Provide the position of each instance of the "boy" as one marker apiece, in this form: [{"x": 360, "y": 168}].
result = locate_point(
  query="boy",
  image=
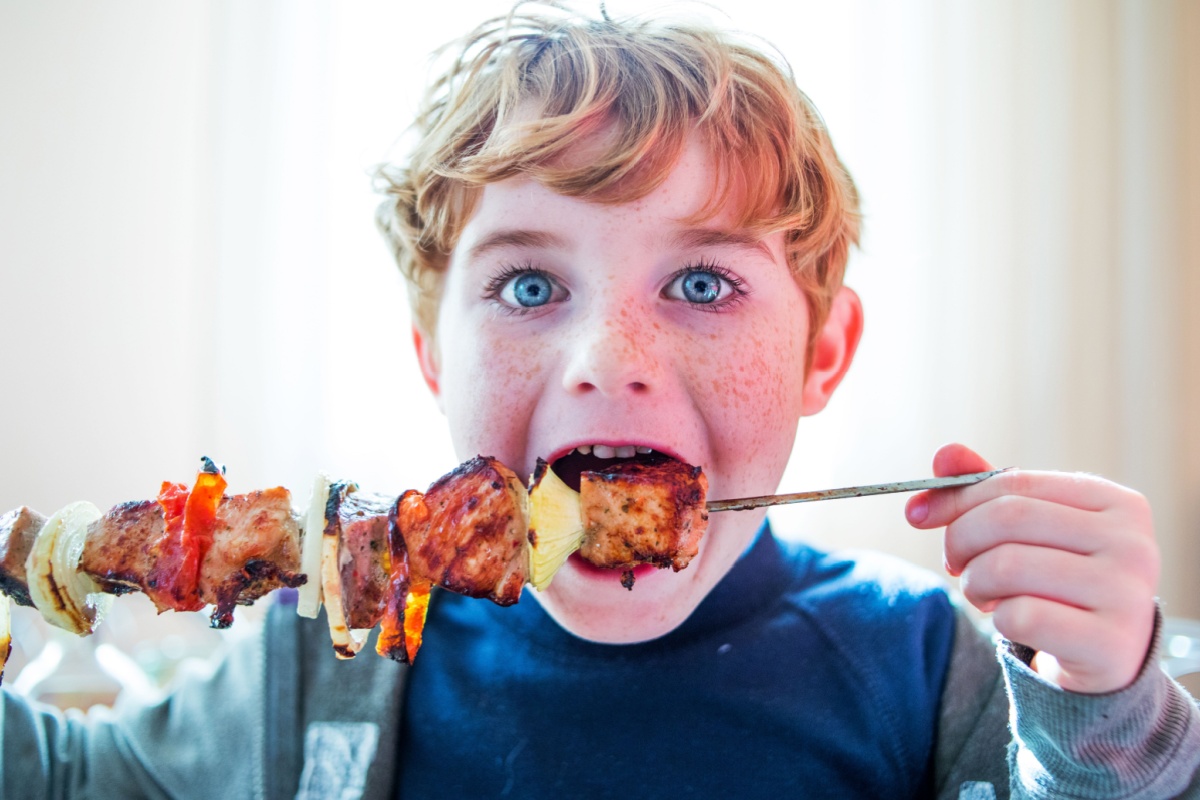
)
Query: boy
[{"x": 623, "y": 237}]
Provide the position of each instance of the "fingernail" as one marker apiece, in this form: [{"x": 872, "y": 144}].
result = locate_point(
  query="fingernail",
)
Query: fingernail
[{"x": 918, "y": 510}]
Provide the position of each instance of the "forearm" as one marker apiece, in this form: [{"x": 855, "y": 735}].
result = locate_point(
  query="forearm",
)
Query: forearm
[
  {"x": 973, "y": 734},
  {"x": 1142, "y": 741},
  {"x": 49, "y": 754},
  {"x": 41, "y": 749},
  {"x": 198, "y": 741}
]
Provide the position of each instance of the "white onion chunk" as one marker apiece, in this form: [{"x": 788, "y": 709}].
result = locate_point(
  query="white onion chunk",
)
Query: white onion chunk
[{"x": 66, "y": 597}]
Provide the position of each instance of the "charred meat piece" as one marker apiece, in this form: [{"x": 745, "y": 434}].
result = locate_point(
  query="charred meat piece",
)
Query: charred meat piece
[
  {"x": 643, "y": 512},
  {"x": 255, "y": 549},
  {"x": 18, "y": 530},
  {"x": 468, "y": 533},
  {"x": 363, "y": 557},
  {"x": 120, "y": 550}
]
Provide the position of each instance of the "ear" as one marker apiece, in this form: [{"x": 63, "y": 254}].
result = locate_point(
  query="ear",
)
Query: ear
[
  {"x": 429, "y": 361},
  {"x": 833, "y": 350}
]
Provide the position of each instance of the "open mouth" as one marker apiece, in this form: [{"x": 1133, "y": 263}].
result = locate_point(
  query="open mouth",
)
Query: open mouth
[{"x": 595, "y": 458}]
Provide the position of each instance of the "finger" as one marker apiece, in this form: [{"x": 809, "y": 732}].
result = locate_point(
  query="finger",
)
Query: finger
[
  {"x": 1094, "y": 654},
  {"x": 950, "y": 459},
  {"x": 1023, "y": 520},
  {"x": 940, "y": 507},
  {"x": 1069, "y": 633},
  {"x": 958, "y": 459},
  {"x": 1013, "y": 570}
]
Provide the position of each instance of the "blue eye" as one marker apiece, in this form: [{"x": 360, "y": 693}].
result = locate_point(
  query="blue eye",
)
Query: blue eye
[
  {"x": 701, "y": 287},
  {"x": 705, "y": 285},
  {"x": 524, "y": 288},
  {"x": 531, "y": 290}
]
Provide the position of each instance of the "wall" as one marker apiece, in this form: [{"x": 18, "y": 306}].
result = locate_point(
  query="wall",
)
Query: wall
[{"x": 188, "y": 264}]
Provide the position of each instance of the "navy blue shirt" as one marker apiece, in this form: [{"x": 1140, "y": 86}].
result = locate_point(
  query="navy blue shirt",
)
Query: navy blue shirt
[{"x": 800, "y": 675}]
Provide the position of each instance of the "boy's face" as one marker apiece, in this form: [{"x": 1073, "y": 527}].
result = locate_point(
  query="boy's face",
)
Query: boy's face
[{"x": 565, "y": 322}]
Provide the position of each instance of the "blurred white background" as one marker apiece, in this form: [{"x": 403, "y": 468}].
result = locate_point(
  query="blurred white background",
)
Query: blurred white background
[{"x": 188, "y": 263}]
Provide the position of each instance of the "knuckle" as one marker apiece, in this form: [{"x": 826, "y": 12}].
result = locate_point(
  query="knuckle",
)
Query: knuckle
[
  {"x": 1087, "y": 480},
  {"x": 1129, "y": 503},
  {"x": 1134, "y": 622},
  {"x": 1015, "y": 618},
  {"x": 948, "y": 505},
  {"x": 993, "y": 574},
  {"x": 1140, "y": 513},
  {"x": 1139, "y": 559},
  {"x": 1009, "y": 511},
  {"x": 1005, "y": 564},
  {"x": 1018, "y": 482}
]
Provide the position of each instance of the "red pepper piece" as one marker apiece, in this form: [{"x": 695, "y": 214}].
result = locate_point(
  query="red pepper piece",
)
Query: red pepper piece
[
  {"x": 415, "y": 609},
  {"x": 199, "y": 522},
  {"x": 190, "y": 518},
  {"x": 404, "y": 616},
  {"x": 162, "y": 583}
]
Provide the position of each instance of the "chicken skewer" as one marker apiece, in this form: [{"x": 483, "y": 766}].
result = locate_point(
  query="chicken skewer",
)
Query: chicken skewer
[{"x": 370, "y": 559}]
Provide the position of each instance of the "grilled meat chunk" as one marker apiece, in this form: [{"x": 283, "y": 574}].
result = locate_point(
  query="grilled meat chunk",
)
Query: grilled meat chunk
[
  {"x": 120, "y": 550},
  {"x": 255, "y": 549},
  {"x": 363, "y": 558},
  {"x": 639, "y": 512},
  {"x": 18, "y": 530},
  {"x": 468, "y": 533}
]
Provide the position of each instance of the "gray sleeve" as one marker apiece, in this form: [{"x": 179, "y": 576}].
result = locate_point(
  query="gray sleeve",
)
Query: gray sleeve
[
  {"x": 1140, "y": 742},
  {"x": 972, "y": 736},
  {"x": 201, "y": 740}
]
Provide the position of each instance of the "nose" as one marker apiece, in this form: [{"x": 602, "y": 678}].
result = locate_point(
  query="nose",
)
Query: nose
[{"x": 612, "y": 355}]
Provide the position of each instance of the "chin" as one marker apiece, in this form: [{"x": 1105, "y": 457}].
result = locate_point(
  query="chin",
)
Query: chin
[{"x": 591, "y": 603}]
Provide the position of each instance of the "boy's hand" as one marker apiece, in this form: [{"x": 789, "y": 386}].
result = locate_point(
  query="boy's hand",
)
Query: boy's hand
[{"x": 1066, "y": 563}]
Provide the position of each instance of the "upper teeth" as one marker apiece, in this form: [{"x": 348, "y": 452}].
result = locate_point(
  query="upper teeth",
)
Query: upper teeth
[{"x": 608, "y": 451}]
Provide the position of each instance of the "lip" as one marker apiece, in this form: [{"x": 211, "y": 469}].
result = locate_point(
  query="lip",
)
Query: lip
[{"x": 589, "y": 570}]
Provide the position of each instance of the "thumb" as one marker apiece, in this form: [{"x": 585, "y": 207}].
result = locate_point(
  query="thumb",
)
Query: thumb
[
  {"x": 950, "y": 459},
  {"x": 958, "y": 459}
]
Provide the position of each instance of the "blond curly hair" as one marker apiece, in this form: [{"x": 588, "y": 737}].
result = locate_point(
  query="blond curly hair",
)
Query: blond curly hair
[{"x": 521, "y": 90}]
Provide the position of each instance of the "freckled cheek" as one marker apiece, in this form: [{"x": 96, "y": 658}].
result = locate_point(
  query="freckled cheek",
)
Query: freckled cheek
[
  {"x": 755, "y": 398},
  {"x": 758, "y": 373},
  {"x": 492, "y": 383}
]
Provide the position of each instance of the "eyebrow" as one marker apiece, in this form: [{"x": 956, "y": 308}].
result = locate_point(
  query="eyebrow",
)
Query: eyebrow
[
  {"x": 710, "y": 237},
  {"x": 497, "y": 240},
  {"x": 687, "y": 239}
]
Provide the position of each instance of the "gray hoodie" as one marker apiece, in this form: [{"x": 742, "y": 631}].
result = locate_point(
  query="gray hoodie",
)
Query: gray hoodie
[{"x": 279, "y": 718}]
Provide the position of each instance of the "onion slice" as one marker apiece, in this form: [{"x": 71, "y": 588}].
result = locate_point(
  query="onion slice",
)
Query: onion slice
[
  {"x": 5, "y": 634},
  {"x": 346, "y": 642},
  {"x": 66, "y": 597},
  {"x": 555, "y": 524},
  {"x": 309, "y": 602}
]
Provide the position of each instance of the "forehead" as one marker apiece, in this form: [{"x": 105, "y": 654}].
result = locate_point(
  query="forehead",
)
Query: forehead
[{"x": 691, "y": 205}]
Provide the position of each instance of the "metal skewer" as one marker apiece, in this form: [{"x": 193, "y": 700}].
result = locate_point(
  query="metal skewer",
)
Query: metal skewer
[{"x": 851, "y": 491}]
